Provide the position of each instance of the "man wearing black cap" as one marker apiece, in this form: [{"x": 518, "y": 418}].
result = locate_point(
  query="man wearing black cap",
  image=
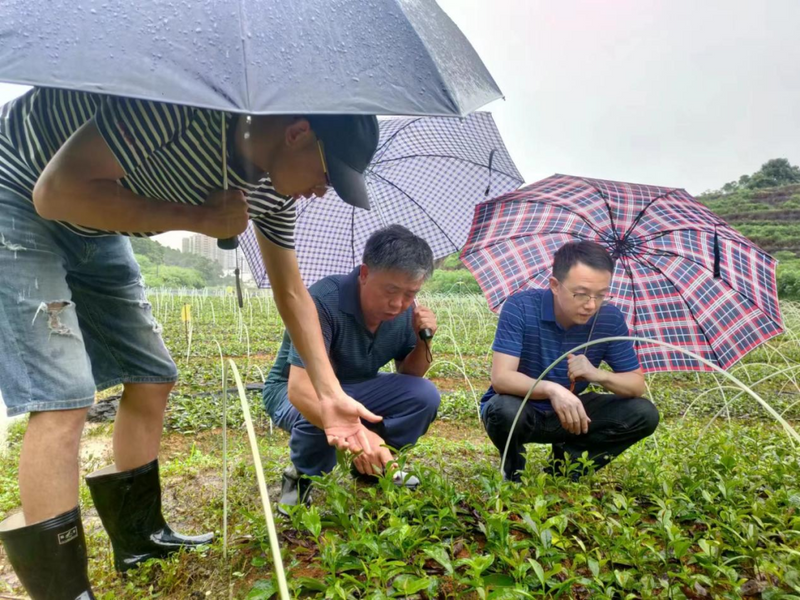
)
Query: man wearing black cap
[{"x": 78, "y": 173}]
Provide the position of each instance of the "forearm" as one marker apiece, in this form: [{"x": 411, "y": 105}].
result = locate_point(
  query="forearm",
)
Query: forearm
[
  {"x": 299, "y": 314},
  {"x": 303, "y": 397},
  {"x": 626, "y": 385},
  {"x": 515, "y": 383},
  {"x": 104, "y": 204},
  {"x": 416, "y": 363}
]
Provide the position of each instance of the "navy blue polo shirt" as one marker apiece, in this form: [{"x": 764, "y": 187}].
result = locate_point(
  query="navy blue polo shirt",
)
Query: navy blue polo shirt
[
  {"x": 528, "y": 330},
  {"x": 355, "y": 353}
]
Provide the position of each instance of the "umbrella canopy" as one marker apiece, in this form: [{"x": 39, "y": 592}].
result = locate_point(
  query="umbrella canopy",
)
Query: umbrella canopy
[
  {"x": 402, "y": 57},
  {"x": 427, "y": 175},
  {"x": 682, "y": 276}
]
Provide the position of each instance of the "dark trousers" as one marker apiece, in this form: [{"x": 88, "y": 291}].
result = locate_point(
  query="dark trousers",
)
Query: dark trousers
[
  {"x": 407, "y": 404},
  {"x": 616, "y": 424}
]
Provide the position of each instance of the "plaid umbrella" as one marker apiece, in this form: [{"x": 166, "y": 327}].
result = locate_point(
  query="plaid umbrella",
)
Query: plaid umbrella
[
  {"x": 427, "y": 175},
  {"x": 682, "y": 276}
]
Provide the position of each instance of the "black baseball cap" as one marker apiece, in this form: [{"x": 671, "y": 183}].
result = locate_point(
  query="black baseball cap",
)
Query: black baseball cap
[{"x": 349, "y": 143}]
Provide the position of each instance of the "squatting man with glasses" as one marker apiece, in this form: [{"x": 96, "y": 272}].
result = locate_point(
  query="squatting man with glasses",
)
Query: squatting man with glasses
[{"x": 538, "y": 326}]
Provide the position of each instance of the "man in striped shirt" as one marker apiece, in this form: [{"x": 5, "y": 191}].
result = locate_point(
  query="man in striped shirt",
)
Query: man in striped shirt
[
  {"x": 536, "y": 327},
  {"x": 77, "y": 170}
]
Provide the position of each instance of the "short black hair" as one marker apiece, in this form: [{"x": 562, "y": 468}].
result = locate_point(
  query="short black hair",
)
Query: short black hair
[
  {"x": 395, "y": 248},
  {"x": 591, "y": 254}
]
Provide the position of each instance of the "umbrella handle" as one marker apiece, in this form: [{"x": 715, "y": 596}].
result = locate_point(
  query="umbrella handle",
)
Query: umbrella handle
[
  {"x": 425, "y": 334},
  {"x": 230, "y": 243}
]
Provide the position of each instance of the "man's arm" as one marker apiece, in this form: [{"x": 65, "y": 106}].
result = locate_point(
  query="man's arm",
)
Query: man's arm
[
  {"x": 416, "y": 362},
  {"x": 304, "y": 398},
  {"x": 627, "y": 385},
  {"x": 339, "y": 413},
  {"x": 507, "y": 380},
  {"x": 79, "y": 185}
]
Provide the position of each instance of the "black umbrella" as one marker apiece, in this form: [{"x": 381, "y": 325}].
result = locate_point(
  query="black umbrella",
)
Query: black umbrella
[
  {"x": 403, "y": 57},
  {"x": 391, "y": 57}
]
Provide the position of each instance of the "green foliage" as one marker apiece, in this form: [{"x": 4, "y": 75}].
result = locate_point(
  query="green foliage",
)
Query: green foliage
[
  {"x": 157, "y": 275},
  {"x": 452, "y": 263},
  {"x": 452, "y": 282},
  {"x": 209, "y": 271},
  {"x": 707, "y": 508},
  {"x": 773, "y": 173},
  {"x": 765, "y": 207}
]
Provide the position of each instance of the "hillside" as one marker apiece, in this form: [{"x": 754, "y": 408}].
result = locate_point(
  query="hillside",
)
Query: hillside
[{"x": 770, "y": 217}]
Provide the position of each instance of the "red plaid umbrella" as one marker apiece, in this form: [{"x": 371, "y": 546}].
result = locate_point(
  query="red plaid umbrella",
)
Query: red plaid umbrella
[{"x": 682, "y": 276}]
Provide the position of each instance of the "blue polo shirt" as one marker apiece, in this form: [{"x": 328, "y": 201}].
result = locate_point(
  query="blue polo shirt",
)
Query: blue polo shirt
[
  {"x": 528, "y": 330},
  {"x": 355, "y": 353}
]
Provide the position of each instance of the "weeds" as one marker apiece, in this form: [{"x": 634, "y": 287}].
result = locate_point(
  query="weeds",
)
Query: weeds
[{"x": 706, "y": 508}]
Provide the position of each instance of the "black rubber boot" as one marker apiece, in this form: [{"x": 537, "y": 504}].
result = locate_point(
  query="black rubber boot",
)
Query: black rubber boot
[
  {"x": 294, "y": 489},
  {"x": 49, "y": 557},
  {"x": 129, "y": 505}
]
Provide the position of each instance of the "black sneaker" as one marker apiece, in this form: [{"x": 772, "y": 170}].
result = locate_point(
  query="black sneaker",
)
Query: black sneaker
[{"x": 294, "y": 489}]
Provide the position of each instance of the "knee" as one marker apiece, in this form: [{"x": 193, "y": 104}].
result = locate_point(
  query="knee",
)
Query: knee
[
  {"x": 428, "y": 396},
  {"x": 420, "y": 396},
  {"x": 647, "y": 416},
  {"x": 501, "y": 410},
  {"x": 62, "y": 428},
  {"x": 147, "y": 396}
]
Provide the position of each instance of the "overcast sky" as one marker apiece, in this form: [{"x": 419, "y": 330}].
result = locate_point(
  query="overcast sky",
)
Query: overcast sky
[{"x": 670, "y": 92}]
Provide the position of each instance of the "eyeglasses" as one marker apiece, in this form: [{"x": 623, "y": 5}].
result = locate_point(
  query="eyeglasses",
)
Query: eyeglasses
[
  {"x": 600, "y": 299},
  {"x": 324, "y": 163}
]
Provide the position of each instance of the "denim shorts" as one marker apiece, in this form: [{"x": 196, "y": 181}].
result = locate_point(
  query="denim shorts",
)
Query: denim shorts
[{"x": 74, "y": 318}]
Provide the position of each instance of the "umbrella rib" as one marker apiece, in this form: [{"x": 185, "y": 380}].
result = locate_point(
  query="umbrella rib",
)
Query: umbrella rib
[
  {"x": 673, "y": 190},
  {"x": 523, "y": 235},
  {"x": 385, "y": 145},
  {"x": 686, "y": 303},
  {"x": 633, "y": 288},
  {"x": 661, "y": 234},
  {"x": 644, "y": 210},
  {"x": 418, "y": 205},
  {"x": 588, "y": 182},
  {"x": 243, "y": 36},
  {"x": 445, "y": 156},
  {"x": 519, "y": 287},
  {"x": 353, "y": 233},
  {"x": 704, "y": 268},
  {"x": 565, "y": 209}
]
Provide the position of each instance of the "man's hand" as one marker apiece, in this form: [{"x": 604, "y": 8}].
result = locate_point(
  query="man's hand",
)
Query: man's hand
[
  {"x": 341, "y": 419},
  {"x": 579, "y": 367},
  {"x": 224, "y": 214},
  {"x": 375, "y": 461},
  {"x": 423, "y": 318},
  {"x": 570, "y": 410}
]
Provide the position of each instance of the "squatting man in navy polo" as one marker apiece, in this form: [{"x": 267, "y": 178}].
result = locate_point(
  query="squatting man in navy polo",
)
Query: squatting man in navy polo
[
  {"x": 368, "y": 319},
  {"x": 538, "y": 326}
]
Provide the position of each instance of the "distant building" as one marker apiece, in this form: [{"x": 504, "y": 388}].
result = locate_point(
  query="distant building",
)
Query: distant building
[{"x": 206, "y": 247}]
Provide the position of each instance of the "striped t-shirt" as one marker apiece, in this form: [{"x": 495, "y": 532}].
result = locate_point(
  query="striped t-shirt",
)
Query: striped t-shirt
[
  {"x": 168, "y": 152},
  {"x": 528, "y": 329}
]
